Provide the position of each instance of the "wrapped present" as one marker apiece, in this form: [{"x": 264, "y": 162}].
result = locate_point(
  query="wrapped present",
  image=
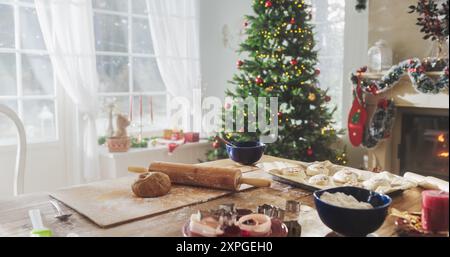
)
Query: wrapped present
[
  {"x": 176, "y": 135},
  {"x": 167, "y": 134},
  {"x": 192, "y": 137}
]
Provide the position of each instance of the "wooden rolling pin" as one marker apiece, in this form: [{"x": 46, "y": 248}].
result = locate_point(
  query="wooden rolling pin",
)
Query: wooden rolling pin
[{"x": 195, "y": 175}]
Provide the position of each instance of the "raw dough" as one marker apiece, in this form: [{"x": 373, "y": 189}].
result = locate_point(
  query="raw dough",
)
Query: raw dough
[
  {"x": 151, "y": 184},
  {"x": 319, "y": 180},
  {"x": 376, "y": 182},
  {"x": 345, "y": 176},
  {"x": 292, "y": 171},
  {"x": 319, "y": 168}
]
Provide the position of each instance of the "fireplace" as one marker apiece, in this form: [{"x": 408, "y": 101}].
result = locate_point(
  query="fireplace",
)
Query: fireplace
[
  {"x": 423, "y": 147},
  {"x": 419, "y": 138}
]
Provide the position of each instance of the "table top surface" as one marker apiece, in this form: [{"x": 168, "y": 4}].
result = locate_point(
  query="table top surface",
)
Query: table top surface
[{"x": 14, "y": 220}]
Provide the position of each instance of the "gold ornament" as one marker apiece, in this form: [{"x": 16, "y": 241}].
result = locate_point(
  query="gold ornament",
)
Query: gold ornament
[{"x": 312, "y": 97}]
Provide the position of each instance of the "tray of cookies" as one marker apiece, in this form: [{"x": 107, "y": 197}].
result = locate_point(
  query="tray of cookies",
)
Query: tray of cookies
[{"x": 323, "y": 175}]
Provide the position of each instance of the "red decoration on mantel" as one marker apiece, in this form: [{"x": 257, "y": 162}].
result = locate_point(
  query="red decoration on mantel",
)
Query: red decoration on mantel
[
  {"x": 357, "y": 119},
  {"x": 268, "y": 4},
  {"x": 292, "y": 22},
  {"x": 373, "y": 89}
]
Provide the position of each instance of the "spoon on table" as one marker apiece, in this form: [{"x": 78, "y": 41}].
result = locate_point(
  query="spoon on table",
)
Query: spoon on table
[
  {"x": 224, "y": 141},
  {"x": 60, "y": 215}
]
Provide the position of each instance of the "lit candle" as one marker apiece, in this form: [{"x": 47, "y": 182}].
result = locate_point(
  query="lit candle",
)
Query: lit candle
[
  {"x": 435, "y": 210},
  {"x": 131, "y": 108}
]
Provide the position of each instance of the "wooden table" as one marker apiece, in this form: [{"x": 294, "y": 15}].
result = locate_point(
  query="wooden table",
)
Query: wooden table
[{"x": 14, "y": 220}]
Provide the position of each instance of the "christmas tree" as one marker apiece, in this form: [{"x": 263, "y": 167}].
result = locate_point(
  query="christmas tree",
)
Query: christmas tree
[{"x": 281, "y": 62}]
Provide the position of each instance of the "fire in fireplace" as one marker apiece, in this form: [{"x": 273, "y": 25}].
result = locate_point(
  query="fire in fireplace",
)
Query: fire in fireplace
[{"x": 424, "y": 145}]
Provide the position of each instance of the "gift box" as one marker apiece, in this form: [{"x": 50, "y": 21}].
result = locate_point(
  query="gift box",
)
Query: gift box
[
  {"x": 191, "y": 137},
  {"x": 167, "y": 134},
  {"x": 176, "y": 135}
]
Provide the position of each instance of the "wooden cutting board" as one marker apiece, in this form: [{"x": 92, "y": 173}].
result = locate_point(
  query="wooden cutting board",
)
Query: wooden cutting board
[{"x": 111, "y": 202}]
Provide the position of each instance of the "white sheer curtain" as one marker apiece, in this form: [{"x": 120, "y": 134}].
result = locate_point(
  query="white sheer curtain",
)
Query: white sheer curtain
[
  {"x": 174, "y": 26},
  {"x": 67, "y": 27}
]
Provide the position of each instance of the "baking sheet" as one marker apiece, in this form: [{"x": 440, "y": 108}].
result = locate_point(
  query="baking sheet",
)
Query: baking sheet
[{"x": 364, "y": 174}]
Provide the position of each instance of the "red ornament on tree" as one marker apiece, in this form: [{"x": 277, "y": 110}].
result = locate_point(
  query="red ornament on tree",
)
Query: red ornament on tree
[
  {"x": 279, "y": 114},
  {"x": 292, "y": 22},
  {"x": 268, "y": 4},
  {"x": 245, "y": 24},
  {"x": 309, "y": 151},
  {"x": 317, "y": 72},
  {"x": 215, "y": 145},
  {"x": 294, "y": 62},
  {"x": 327, "y": 98},
  {"x": 259, "y": 80},
  {"x": 239, "y": 63}
]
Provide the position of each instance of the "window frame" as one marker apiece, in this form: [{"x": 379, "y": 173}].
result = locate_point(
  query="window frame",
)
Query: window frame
[
  {"x": 130, "y": 54},
  {"x": 19, "y": 97}
]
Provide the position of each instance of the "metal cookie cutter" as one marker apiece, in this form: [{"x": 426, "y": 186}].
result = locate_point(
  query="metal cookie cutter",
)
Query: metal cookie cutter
[
  {"x": 271, "y": 211},
  {"x": 293, "y": 206}
]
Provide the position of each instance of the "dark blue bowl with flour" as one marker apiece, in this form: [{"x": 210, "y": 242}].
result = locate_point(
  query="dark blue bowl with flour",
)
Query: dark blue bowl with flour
[{"x": 353, "y": 222}]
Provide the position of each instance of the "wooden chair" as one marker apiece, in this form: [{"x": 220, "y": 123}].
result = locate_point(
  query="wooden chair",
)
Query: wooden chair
[{"x": 19, "y": 172}]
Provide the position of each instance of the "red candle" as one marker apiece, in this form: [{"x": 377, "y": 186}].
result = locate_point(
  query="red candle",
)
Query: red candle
[
  {"x": 131, "y": 108},
  {"x": 435, "y": 210}
]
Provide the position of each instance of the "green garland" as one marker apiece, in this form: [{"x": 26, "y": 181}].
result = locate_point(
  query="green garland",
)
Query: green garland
[
  {"x": 382, "y": 121},
  {"x": 416, "y": 72}
]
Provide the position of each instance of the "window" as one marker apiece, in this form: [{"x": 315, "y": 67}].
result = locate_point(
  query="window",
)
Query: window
[
  {"x": 329, "y": 19},
  {"x": 126, "y": 63},
  {"x": 26, "y": 74}
]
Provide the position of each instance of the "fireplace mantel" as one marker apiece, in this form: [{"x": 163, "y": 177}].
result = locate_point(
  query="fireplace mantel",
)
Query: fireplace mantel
[
  {"x": 407, "y": 99},
  {"x": 405, "y": 95}
]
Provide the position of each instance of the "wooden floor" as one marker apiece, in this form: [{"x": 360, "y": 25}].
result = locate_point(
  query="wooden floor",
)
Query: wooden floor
[{"x": 14, "y": 220}]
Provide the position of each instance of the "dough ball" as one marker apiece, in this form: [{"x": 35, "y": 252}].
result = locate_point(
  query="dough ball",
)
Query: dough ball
[
  {"x": 345, "y": 176},
  {"x": 151, "y": 184},
  {"x": 320, "y": 168},
  {"x": 319, "y": 180}
]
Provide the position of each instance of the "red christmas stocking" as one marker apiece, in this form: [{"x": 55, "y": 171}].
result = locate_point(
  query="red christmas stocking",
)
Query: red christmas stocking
[{"x": 356, "y": 120}]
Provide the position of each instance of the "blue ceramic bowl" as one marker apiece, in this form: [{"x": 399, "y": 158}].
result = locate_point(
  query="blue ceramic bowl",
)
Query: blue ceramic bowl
[
  {"x": 246, "y": 153},
  {"x": 353, "y": 222}
]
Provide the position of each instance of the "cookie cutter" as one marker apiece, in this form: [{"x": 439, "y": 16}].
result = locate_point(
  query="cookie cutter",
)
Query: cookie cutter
[
  {"x": 293, "y": 206},
  {"x": 271, "y": 211}
]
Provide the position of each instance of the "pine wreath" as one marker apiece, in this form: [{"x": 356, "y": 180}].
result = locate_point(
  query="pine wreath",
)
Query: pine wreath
[{"x": 380, "y": 124}]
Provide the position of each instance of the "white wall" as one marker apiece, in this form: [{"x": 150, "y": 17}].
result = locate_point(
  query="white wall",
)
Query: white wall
[{"x": 218, "y": 62}]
